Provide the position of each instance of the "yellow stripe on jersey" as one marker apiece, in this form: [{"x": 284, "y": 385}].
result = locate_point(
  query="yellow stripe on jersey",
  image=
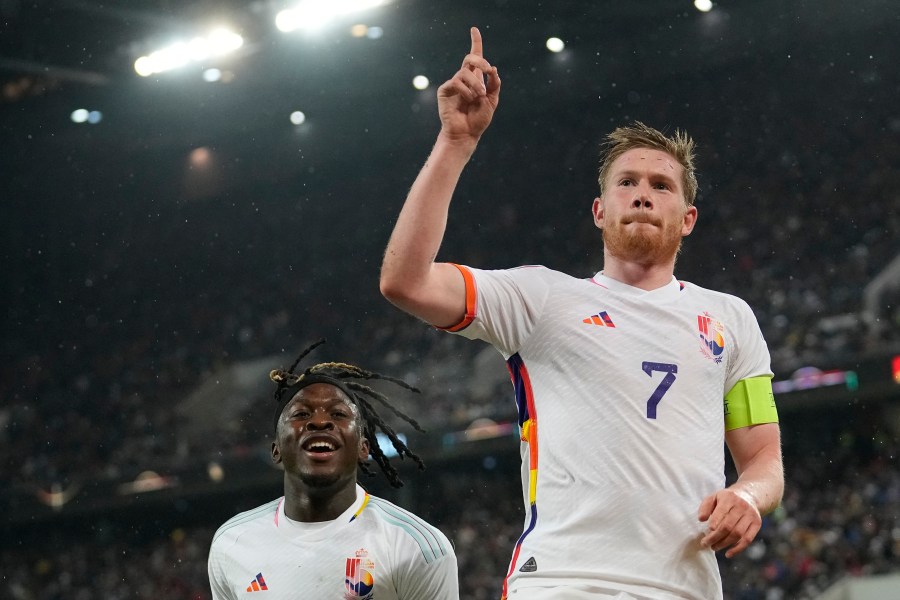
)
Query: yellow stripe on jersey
[{"x": 750, "y": 402}]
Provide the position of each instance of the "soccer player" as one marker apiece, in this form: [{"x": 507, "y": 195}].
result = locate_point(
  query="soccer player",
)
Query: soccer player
[
  {"x": 620, "y": 379},
  {"x": 327, "y": 537}
]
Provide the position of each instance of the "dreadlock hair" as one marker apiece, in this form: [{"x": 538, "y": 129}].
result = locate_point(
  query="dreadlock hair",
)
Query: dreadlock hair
[{"x": 339, "y": 374}]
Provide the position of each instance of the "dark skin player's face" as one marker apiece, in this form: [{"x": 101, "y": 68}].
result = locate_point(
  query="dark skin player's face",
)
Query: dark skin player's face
[{"x": 318, "y": 438}]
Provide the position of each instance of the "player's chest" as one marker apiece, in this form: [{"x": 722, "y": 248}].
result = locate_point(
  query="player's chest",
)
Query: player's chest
[
  {"x": 609, "y": 330},
  {"x": 327, "y": 570}
]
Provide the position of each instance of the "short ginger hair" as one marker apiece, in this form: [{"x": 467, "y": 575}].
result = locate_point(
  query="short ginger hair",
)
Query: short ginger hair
[{"x": 637, "y": 135}]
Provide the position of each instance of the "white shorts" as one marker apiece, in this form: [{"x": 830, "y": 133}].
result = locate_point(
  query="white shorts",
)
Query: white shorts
[
  {"x": 581, "y": 591},
  {"x": 568, "y": 593}
]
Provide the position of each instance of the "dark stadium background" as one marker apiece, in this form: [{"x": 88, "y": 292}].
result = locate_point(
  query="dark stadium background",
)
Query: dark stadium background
[{"x": 156, "y": 264}]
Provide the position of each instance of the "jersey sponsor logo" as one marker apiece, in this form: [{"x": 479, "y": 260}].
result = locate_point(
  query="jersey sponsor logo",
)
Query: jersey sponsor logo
[
  {"x": 530, "y": 566},
  {"x": 712, "y": 337},
  {"x": 358, "y": 578},
  {"x": 258, "y": 584},
  {"x": 601, "y": 319}
]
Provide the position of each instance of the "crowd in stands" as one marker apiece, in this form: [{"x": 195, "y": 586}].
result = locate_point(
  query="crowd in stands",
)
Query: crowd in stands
[
  {"x": 108, "y": 331},
  {"x": 839, "y": 518}
]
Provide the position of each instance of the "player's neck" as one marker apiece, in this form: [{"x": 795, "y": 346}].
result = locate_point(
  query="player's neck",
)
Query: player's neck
[
  {"x": 314, "y": 504},
  {"x": 643, "y": 276}
]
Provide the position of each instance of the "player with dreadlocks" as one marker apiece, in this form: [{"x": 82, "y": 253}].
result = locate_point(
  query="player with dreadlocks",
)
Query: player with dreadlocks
[
  {"x": 327, "y": 537},
  {"x": 337, "y": 374}
]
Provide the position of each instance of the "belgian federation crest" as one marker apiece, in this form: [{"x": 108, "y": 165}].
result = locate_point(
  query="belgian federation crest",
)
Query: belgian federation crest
[
  {"x": 359, "y": 579},
  {"x": 712, "y": 337}
]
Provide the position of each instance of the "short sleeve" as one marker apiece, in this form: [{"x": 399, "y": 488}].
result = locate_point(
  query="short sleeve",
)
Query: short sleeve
[
  {"x": 503, "y": 306},
  {"x": 751, "y": 358},
  {"x": 217, "y": 580},
  {"x": 435, "y": 580}
]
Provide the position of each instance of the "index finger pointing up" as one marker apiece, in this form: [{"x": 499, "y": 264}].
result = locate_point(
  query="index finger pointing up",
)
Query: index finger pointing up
[{"x": 476, "y": 42}]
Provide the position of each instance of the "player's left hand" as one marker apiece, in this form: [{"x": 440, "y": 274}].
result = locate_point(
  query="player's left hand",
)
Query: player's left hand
[{"x": 733, "y": 521}]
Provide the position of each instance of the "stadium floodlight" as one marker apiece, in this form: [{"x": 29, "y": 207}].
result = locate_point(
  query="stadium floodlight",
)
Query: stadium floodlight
[
  {"x": 218, "y": 43},
  {"x": 79, "y": 115},
  {"x": 212, "y": 75},
  {"x": 222, "y": 41},
  {"x": 298, "y": 118},
  {"x": 555, "y": 44},
  {"x": 703, "y": 5},
  {"x": 314, "y": 14},
  {"x": 420, "y": 82}
]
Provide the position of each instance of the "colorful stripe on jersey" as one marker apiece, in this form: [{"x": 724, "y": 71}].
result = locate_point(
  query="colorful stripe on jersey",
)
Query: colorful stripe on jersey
[
  {"x": 362, "y": 506},
  {"x": 471, "y": 297},
  {"x": 528, "y": 426},
  {"x": 421, "y": 532}
]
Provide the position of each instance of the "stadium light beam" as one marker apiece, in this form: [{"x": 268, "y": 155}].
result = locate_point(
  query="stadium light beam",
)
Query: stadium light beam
[
  {"x": 218, "y": 43},
  {"x": 315, "y": 14}
]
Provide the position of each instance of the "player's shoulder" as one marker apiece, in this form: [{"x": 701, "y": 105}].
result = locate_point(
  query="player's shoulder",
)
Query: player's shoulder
[
  {"x": 722, "y": 298},
  {"x": 249, "y": 519},
  {"x": 410, "y": 529},
  {"x": 537, "y": 272}
]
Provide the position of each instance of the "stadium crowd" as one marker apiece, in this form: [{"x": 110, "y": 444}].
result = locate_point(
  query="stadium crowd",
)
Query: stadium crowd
[
  {"x": 796, "y": 218},
  {"x": 839, "y": 517}
]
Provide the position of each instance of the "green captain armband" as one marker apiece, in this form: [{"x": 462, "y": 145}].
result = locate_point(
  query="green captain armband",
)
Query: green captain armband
[{"x": 750, "y": 402}]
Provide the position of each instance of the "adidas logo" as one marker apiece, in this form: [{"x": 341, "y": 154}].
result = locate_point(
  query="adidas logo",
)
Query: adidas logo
[
  {"x": 530, "y": 566},
  {"x": 258, "y": 584},
  {"x": 602, "y": 319}
]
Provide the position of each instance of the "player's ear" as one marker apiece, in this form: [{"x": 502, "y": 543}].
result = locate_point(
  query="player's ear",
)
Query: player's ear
[
  {"x": 690, "y": 219},
  {"x": 276, "y": 453},
  {"x": 363, "y": 448},
  {"x": 597, "y": 211}
]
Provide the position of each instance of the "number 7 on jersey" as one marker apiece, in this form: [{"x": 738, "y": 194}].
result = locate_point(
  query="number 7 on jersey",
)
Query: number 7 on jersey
[{"x": 664, "y": 385}]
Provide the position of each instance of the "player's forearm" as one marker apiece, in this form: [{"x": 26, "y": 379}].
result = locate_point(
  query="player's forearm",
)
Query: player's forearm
[
  {"x": 761, "y": 480},
  {"x": 420, "y": 227}
]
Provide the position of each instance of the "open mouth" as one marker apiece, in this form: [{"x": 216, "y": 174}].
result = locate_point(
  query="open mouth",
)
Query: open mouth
[{"x": 320, "y": 446}]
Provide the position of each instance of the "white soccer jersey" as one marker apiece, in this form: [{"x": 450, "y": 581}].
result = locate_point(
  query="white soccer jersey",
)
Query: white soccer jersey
[
  {"x": 374, "y": 551},
  {"x": 620, "y": 396}
]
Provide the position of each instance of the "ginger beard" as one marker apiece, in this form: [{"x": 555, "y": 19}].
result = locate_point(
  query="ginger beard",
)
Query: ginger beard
[{"x": 652, "y": 242}]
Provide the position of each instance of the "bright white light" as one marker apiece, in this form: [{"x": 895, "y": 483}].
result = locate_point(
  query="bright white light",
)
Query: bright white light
[
  {"x": 168, "y": 58},
  {"x": 222, "y": 41},
  {"x": 143, "y": 66},
  {"x": 375, "y": 33},
  {"x": 313, "y": 14},
  {"x": 420, "y": 82},
  {"x": 555, "y": 44},
  {"x": 217, "y": 43},
  {"x": 286, "y": 21},
  {"x": 298, "y": 118},
  {"x": 212, "y": 75},
  {"x": 703, "y": 5},
  {"x": 94, "y": 117},
  {"x": 198, "y": 48},
  {"x": 79, "y": 116}
]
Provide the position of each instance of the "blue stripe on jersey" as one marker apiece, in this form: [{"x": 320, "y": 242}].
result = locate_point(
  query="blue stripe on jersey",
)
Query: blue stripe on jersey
[
  {"x": 424, "y": 535},
  {"x": 244, "y": 517},
  {"x": 515, "y": 363}
]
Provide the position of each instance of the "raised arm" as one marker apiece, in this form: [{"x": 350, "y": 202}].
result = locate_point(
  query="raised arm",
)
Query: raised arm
[
  {"x": 410, "y": 279},
  {"x": 735, "y": 513}
]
